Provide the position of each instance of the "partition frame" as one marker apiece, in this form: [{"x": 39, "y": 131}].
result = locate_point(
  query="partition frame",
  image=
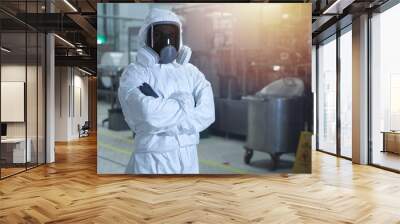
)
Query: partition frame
[{"x": 44, "y": 94}]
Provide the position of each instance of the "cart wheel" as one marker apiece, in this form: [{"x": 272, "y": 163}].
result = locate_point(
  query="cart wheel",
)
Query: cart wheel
[
  {"x": 275, "y": 160},
  {"x": 247, "y": 156}
]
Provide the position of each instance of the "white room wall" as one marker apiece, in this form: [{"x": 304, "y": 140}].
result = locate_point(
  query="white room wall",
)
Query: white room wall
[
  {"x": 16, "y": 73},
  {"x": 61, "y": 103},
  {"x": 33, "y": 126},
  {"x": 81, "y": 83},
  {"x": 68, "y": 81}
]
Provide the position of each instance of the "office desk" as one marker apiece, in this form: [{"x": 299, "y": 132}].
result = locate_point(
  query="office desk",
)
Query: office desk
[
  {"x": 391, "y": 141},
  {"x": 13, "y": 150}
]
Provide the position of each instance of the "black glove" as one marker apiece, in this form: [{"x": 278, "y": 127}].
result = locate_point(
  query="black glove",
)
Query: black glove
[{"x": 147, "y": 90}]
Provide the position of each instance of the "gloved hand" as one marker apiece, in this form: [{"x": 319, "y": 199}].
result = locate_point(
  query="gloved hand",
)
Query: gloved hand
[{"x": 147, "y": 90}]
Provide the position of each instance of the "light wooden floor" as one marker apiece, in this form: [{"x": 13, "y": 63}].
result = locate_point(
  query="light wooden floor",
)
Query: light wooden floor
[
  {"x": 387, "y": 159},
  {"x": 10, "y": 171},
  {"x": 70, "y": 191}
]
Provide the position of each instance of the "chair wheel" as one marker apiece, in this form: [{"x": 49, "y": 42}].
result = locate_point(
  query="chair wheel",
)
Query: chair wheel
[
  {"x": 275, "y": 160},
  {"x": 248, "y": 155}
]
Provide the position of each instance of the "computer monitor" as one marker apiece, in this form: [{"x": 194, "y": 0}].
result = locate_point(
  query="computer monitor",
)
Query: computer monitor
[{"x": 3, "y": 129}]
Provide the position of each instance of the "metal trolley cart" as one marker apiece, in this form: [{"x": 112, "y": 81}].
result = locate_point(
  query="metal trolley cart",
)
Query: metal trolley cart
[{"x": 275, "y": 119}]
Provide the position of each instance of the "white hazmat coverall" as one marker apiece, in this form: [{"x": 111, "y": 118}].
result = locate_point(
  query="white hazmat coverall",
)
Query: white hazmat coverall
[{"x": 167, "y": 128}]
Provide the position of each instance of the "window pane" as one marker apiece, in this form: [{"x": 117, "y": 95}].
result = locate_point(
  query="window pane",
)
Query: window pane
[
  {"x": 346, "y": 94},
  {"x": 385, "y": 89},
  {"x": 327, "y": 97}
]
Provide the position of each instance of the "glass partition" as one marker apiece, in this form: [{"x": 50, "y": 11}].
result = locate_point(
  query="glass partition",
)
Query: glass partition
[
  {"x": 13, "y": 114},
  {"x": 22, "y": 88}
]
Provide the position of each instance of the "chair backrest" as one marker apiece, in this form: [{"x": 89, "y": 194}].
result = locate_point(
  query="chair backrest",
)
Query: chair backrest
[{"x": 86, "y": 124}]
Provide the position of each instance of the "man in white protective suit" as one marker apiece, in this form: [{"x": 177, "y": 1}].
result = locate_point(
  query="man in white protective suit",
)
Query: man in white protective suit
[{"x": 166, "y": 100}]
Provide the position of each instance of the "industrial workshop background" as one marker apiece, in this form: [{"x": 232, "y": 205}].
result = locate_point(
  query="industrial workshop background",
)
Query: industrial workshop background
[{"x": 248, "y": 48}]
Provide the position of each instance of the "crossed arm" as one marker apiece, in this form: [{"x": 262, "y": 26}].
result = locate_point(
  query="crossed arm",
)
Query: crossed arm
[{"x": 180, "y": 113}]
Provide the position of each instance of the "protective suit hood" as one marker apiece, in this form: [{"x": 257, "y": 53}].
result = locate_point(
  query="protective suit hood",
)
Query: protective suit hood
[{"x": 147, "y": 56}]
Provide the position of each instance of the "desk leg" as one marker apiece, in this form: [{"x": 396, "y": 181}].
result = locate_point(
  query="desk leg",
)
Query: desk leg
[{"x": 384, "y": 142}]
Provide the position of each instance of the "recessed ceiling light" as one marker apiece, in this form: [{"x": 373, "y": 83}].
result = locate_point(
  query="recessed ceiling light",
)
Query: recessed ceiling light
[{"x": 276, "y": 68}]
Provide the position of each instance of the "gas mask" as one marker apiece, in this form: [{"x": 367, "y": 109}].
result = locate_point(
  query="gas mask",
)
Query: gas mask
[
  {"x": 162, "y": 44},
  {"x": 164, "y": 39}
]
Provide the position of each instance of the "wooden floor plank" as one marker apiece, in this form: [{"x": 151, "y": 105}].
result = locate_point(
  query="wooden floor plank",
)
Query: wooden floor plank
[{"x": 70, "y": 191}]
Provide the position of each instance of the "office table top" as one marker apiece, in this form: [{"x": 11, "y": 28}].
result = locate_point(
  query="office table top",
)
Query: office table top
[
  {"x": 13, "y": 140},
  {"x": 390, "y": 132}
]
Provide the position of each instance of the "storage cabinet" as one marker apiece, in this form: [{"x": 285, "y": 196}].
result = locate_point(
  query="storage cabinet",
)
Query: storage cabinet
[{"x": 391, "y": 142}]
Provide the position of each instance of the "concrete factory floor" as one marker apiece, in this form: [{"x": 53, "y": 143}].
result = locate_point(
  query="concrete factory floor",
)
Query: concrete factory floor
[{"x": 217, "y": 155}]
